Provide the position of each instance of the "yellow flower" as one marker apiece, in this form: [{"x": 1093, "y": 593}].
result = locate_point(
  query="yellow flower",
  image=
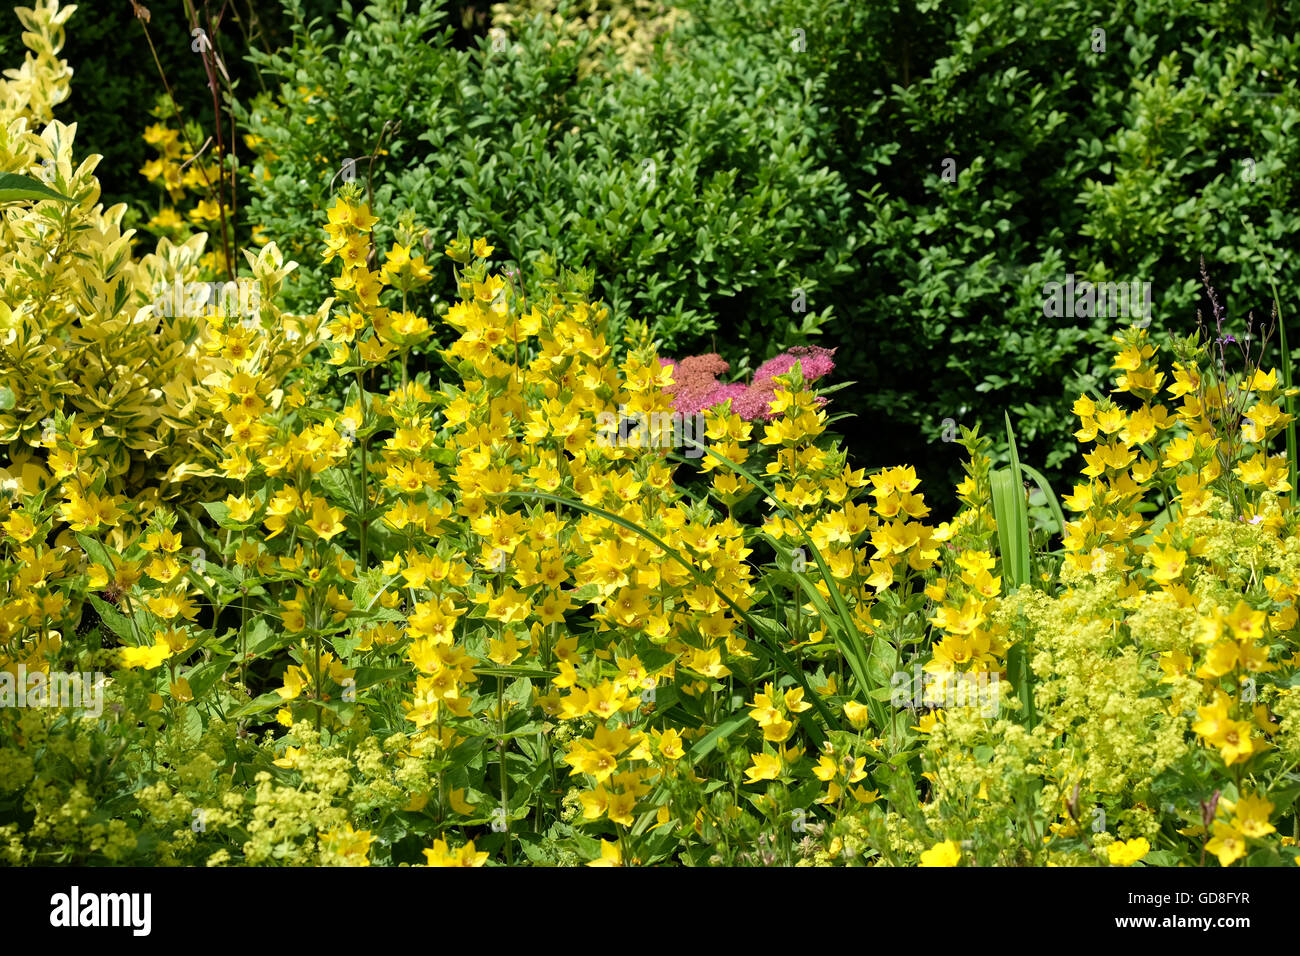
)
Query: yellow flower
[
  {"x": 1126, "y": 853},
  {"x": 670, "y": 744},
  {"x": 947, "y": 853},
  {"x": 610, "y": 854},
  {"x": 927, "y": 723},
  {"x": 456, "y": 800},
  {"x": 19, "y": 526},
  {"x": 1168, "y": 563},
  {"x": 826, "y": 768},
  {"x": 147, "y": 657},
  {"x": 765, "y": 767},
  {"x": 1251, "y": 817},
  {"x": 1246, "y": 624},
  {"x": 859, "y": 715},
  {"x": 351, "y": 847},
  {"x": 166, "y": 220},
  {"x": 794, "y": 701},
  {"x": 1270, "y": 472},
  {"x": 1228, "y": 843},
  {"x": 505, "y": 650},
  {"x": 168, "y": 606},
  {"x": 325, "y": 521},
  {"x": 1232, "y": 737},
  {"x": 205, "y": 211},
  {"x": 1221, "y": 660},
  {"x": 180, "y": 690},
  {"x": 239, "y": 508},
  {"x": 441, "y": 855}
]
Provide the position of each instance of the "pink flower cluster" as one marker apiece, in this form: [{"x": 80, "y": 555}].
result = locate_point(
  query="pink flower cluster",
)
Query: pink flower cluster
[{"x": 696, "y": 386}]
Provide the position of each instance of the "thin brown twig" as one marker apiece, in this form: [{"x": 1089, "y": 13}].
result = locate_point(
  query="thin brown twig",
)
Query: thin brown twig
[
  {"x": 209, "y": 59},
  {"x": 202, "y": 149}
]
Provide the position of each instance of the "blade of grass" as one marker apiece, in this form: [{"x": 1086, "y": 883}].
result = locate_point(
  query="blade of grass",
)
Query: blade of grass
[
  {"x": 1012, "y": 536},
  {"x": 1012, "y": 516},
  {"x": 1290, "y": 400},
  {"x": 1053, "y": 502}
]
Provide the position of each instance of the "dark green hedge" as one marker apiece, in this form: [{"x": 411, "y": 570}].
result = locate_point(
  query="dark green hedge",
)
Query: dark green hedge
[
  {"x": 1116, "y": 165},
  {"x": 697, "y": 193}
]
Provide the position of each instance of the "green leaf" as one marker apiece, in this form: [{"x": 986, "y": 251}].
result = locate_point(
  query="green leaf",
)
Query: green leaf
[
  {"x": 217, "y": 510},
  {"x": 16, "y": 188},
  {"x": 1052, "y": 501},
  {"x": 709, "y": 741},
  {"x": 258, "y": 705},
  {"x": 369, "y": 676},
  {"x": 1022, "y": 678},
  {"x": 1012, "y": 516},
  {"x": 1283, "y": 798},
  {"x": 116, "y": 621},
  {"x": 341, "y": 488},
  {"x": 261, "y": 639},
  {"x": 515, "y": 671},
  {"x": 1160, "y": 858},
  {"x": 204, "y": 676},
  {"x": 95, "y": 551},
  {"x": 205, "y": 534}
]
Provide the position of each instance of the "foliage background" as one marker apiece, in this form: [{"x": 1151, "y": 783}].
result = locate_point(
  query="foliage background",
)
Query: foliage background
[{"x": 1117, "y": 600}]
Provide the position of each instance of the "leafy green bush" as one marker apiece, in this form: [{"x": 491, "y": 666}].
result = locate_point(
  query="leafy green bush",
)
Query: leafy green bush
[{"x": 696, "y": 190}]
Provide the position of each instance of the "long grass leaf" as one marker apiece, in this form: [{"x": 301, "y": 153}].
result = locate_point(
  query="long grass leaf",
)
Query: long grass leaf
[
  {"x": 1053, "y": 503},
  {"x": 1012, "y": 517},
  {"x": 1290, "y": 400}
]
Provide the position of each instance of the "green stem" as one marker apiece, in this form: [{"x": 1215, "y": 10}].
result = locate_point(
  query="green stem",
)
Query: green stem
[
  {"x": 442, "y": 813},
  {"x": 501, "y": 757},
  {"x": 365, "y": 475}
]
